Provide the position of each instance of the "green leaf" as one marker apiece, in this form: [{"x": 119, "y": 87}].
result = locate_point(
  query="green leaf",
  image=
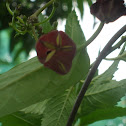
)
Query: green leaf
[
  {"x": 74, "y": 30},
  {"x": 103, "y": 95},
  {"x": 21, "y": 119},
  {"x": 58, "y": 109},
  {"x": 37, "y": 108},
  {"x": 46, "y": 27},
  {"x": 102, "y": 114},
  {"x": 33, "y": 119},
  {"x": 107, "y": 75},
  {"x": 103, "y": 92},
  {"x": 12, "y": 120},
  {"x": 81, "y": 7},
  {"x": 31, "y": 82},
  {"x": 89, "y": 2},
  {"x": 120, "y": 57}
]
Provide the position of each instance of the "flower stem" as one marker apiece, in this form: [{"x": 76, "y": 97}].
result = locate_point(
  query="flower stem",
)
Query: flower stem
[
  {"x": 121, "y": 55},
  {"x": 94, "y": 35},
  {"x": 52, "y": 13},
  {"x": 84, "y": 45},
  {"x": 41, "y": 9},
  {"x": 123, "y": 39},
  {"x": 34, "y": 34},
  {"x": 8, "y": 8},
  {"x": 20, "y": 20}
]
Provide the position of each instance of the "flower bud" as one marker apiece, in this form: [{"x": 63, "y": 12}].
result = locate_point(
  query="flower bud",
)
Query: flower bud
[
  {"x": 56, "y": 51},
  {"x": 108, "y": 10}
]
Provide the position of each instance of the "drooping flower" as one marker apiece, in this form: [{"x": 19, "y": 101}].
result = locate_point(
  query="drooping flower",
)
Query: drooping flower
[
  {"x": 56, "y": 51},
  {"x": 108, "y": 10}
]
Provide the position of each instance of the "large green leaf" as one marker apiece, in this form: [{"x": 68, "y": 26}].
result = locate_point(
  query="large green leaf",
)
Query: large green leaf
[
  {"x": 103, "y": 93},
  {"x": 107, "y": 94},
  {"x": 74, "y": 30},
  {"x": 31, "y": 82},
  {"x": 102, "y": 114},
  {"x": 102, "y": 96},
  {"x": 88, "y": 105},
  {"x": 58, "y": 109}
]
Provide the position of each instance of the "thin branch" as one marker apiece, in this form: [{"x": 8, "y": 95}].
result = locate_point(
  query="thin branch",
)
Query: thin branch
[
  {"x": 50, "y": 16},
  {"x": 20, "y": 20},
  {"x": 84, "y": 45},
  {"x": 41, "y": 9},
  {"x": 123, "y": 39},
  {"x": 8, "y": 8},
  {"x": 96, "y": 33},
  {"x": 34, "y": 34},
  {"x": 121, "y": 54},
  {"x": 91, "y": 73}
]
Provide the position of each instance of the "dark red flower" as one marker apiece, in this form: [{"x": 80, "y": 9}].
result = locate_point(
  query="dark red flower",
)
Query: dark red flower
[
  {"x": 56, "y": 51},
  {"x": 108, "y": 10}
]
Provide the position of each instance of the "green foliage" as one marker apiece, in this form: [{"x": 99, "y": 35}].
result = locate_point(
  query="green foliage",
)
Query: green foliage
[
  {"x": 74, "y": 30},
  {"x": 37, "y": 108},
  {"x": 102, "y": 96},
  {"x": 31, "y": 82},
  {"x": 102, "y": 114},
  {"x": 28, "y": 8},
  {"x": 120, "y": 57},
  {"x": 58, "y": 109},
  {"x": 21, "y": 119},
  {"x": 11, "y": 120},
  {"x": 107, "y": 75}
]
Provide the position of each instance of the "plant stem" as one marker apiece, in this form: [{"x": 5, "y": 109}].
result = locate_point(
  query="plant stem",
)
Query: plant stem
[
  {"x": 8, "y": 8},
  {"x": 84, "y": 45},
  {"x": 20, "y": 20},
  {"x": 52, "y": 13},
  {"x": 118, "y": 57},
  {"x": 121, "y": 55},
  {"x": 13, "y": 25},
  {"x": 41, "y": 9},
  {"x": 34, "y": 34},
  {"x": 91, "y": 73},
  {"x": 123, "y": 39},
  {"x": 94, "y": 35},
  {"x": 17, "y": 30}
]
